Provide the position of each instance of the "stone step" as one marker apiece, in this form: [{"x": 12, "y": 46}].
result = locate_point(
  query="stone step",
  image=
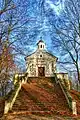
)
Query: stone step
[
  {"x": 37, "y": 97},
  {"x": 40, "y": 105},
  {"x": 30, "y": 112}
]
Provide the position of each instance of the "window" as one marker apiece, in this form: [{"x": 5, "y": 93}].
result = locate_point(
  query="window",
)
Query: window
[
  {"x": 32, "y": 65},
  {"x": 40, "y": 55},
  {"x": 52, "y": 65},
  {"x": 41, "y": 46}
]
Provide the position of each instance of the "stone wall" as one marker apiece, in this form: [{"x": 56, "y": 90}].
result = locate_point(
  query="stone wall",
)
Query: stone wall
[{"x": 62, "y": 75}]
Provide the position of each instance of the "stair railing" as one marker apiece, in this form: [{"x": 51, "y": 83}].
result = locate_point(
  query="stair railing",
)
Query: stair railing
[
  {"x": 13, "y": 95},
  {"x": 71, "y": 102}
]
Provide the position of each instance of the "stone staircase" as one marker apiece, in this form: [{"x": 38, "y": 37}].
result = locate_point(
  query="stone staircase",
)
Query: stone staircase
[{"x": 41, "y": 96}]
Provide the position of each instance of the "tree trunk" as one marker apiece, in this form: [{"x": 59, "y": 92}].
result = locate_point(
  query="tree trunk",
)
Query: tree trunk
[{"x": 78, "y": 77}]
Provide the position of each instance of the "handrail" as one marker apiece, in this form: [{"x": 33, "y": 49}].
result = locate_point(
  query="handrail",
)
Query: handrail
[
  {"x": 67, "y": 95},
  {"x": 71, "y": 102},
  {"x": 9, "y": 103}
]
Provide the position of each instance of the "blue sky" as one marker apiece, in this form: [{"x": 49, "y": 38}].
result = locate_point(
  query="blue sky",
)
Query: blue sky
[{"x": 40, "y": 26}]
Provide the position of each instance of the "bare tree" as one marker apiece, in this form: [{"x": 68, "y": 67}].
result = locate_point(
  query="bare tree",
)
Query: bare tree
[
  {"x": 66, "y": 36},
  {"x": 12, "y": 21}
]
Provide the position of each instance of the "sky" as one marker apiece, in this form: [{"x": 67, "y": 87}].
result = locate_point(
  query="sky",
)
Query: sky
[
  {"x": 41, "y": 26},
  {"x": 38, "y": 25},
  {"x": 56, "y": 7}
]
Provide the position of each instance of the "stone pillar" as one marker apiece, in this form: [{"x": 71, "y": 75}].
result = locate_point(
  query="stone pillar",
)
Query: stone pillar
[
  {"x": 7, "y": 107},
  {"x": 69, "y": 85},
  {"x": 74, "y": 110}
]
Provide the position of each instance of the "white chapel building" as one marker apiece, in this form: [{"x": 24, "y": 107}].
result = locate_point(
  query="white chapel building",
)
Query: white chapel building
[{"x": 41, "y": 62}]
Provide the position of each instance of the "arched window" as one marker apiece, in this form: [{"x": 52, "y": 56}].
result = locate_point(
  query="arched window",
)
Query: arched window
[
  {"x": 41, "y": 46},
  {"x": 52, "y": 65}
]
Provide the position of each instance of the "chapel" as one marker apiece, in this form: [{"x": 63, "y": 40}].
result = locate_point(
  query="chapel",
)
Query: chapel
[{"x": 41, "y": 62}]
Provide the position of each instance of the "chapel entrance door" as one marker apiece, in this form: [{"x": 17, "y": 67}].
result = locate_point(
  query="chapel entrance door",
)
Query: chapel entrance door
[{"x": 41, "y": 71}]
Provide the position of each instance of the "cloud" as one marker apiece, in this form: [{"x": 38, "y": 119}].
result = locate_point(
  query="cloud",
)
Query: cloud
[{"x": 57, "y": 7}]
